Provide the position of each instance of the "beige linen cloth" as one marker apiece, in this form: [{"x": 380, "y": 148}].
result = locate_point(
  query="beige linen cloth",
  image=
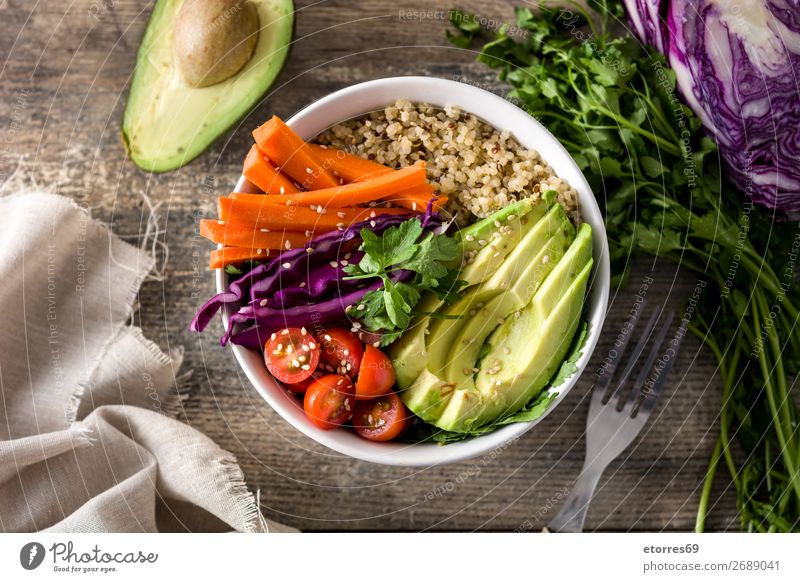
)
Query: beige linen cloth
[{"x": 86, "y": 442}]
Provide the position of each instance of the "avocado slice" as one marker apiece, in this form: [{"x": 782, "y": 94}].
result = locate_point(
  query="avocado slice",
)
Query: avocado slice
[
  {"x": 495, "y": 243},
  {"x": 528, "y": 348},
  {"x": 408, "y": 354},
  {"x": 427, "y": 395},
  {"x": 167, "y": 123},
  {"x": 546, "y": 243}
]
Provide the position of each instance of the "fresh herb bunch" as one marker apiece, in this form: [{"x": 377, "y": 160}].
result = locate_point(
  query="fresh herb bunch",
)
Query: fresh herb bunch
[
  {"x": 612, "y": 103},
  {"x": 403, "y": 248}
]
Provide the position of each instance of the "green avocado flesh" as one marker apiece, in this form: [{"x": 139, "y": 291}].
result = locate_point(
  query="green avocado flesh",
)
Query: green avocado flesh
[
  {"x": 498, "y": 346},
  {"x": 167, "y": 123}
]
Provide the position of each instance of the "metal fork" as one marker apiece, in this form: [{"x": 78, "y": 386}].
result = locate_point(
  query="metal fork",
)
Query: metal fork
[{"x": 615, "y": 419}]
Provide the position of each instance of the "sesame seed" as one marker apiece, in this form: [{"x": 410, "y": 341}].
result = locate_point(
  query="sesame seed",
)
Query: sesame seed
[
  {"x": 302, "y": 284},
  {"x": 262, "y": 303},
  {"x": 306, "y": 348},
  {"x": 376, "y": 344},
  {"x": 346, "y": 352},
  {"x": 279, "y": 347},
  {"x": 321, "y": 210},
  {"x": 372, "y": 223},
  {"x": 326, "y": 337},
  {"x": 497, "y": 224},
  {"x": 309, "y": 171},
  {"x": 289, "y": 349},
  {"x": 413, "y": 206},
  {"x": 481, "y": 242},
  {"x": 220, "y": 222},
  {"x": 295, "y": 363},
  {"x": 312, "y": 345},
  {"x": 285, "y": 332},
  {"x": 264, "y": 230},
  {"x": 305, "y": 367},
  {"x": 310, "y": 250},
  {"x": 259, "y": 251},
  {"x": 469, "y": 238},
  {"x": 372, "y": 214},
  {"x": 272, "y": 337},
  {"x": 282, "y": 190},
  {"x": 545, "y": 259},
  {"x": 301, "y": 359},
  {"x": 288, "y": 245},
  {"x": 286, "y": 265},
  {"x": 361, "y": 307},
  {"x": 506, "y": 350},
  {"x": 343, "y": 363},
  {"x": 341, "y": 214},
  {"x": 511, "y": 217},
  {"x": 333, "y": 264},
  {"x": 303, "y": 331},
  {"x": 308, "y": 233},
  {"x": 356, "y": 325}
]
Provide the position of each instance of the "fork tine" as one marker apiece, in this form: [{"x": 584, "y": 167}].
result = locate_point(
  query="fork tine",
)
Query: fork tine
[
  {"x": 649, "y": 400},
  {"x": 644, "y": 372},
  {"x": 605, "y": 380},
  {"x": 634, "y": 357}
]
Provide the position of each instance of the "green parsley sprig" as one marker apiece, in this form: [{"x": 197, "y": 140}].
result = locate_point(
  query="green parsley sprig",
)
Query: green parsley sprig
[{"x": 406, "y": 247}]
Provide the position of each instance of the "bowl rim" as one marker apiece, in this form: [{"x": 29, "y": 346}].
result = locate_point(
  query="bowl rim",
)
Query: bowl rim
[{"x": 429, "y": 454}]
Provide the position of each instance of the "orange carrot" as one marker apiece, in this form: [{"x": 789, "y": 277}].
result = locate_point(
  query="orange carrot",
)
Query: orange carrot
[
  {"x": 288, "y": 150},
  {"x": 235, "y": 235},
  {"x": 349, "y": 167},
  {"x": 225, "y": 256},
  {"x": 417, "y": 199},
  {"x": 263, "y": 174},
  {"x": 251, "y": 210},
  {"x": 356, "y": 193}
]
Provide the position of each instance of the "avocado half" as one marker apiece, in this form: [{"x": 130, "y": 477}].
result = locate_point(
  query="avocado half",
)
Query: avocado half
[{"x": 168, "y": 123}]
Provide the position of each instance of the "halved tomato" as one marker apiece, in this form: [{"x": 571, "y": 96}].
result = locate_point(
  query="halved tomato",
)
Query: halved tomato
[
  {"x": 375, "y": 375},
  {"x": 291, "y": 355},
  {"x": 341, "y": 351},
  {"x": 330, "y": 400},
  {"x": 380, "y": 419}
]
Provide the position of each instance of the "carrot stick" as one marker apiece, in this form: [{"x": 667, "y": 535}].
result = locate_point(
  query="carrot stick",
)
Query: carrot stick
[
  {"x": 253, "y": 211},
  {"x": 417, "y": 199},
  {"x": 288, "y": 150},
  {"x": 235, "y": 235},
  {"x": 349, "y": 167},
  {"x": 263, "y": 174},
  {"x": 356, "y": 193},
  {"x": 225, "y": 256}
]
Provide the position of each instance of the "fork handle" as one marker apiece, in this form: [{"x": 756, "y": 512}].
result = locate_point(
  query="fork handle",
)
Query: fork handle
[{"x": 570, "y": 517}]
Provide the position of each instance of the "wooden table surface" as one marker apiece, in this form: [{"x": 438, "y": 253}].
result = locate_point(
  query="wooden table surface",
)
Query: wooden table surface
[{"x": 63, "y": 83}]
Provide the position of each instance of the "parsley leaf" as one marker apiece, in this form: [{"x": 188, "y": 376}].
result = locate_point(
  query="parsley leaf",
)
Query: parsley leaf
[{"x": 403, "y": 248}]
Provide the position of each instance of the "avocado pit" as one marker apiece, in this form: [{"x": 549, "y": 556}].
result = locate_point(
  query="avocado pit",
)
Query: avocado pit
[{"x": 214, "y": 39}]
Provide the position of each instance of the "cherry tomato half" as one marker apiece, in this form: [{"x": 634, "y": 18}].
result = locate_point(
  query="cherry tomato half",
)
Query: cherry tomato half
[
  {"x": 291, "y": 355},
  {"x": 375, "y": 375},
  {"x": 341, "y": 351},
  {"x": 330, "y": 400},
  {"x": 380, "y": 419}
]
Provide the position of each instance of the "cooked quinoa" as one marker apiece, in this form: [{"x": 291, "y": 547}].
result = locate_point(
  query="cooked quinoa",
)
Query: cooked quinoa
[{"x": 479, "y": 168}]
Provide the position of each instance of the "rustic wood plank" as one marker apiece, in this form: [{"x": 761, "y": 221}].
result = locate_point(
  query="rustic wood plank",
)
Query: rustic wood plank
[{"x": 64, "y": 80}]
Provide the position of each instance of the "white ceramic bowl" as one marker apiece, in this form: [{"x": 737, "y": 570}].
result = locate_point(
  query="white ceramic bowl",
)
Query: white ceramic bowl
[{"x": 365, "y": 97}]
